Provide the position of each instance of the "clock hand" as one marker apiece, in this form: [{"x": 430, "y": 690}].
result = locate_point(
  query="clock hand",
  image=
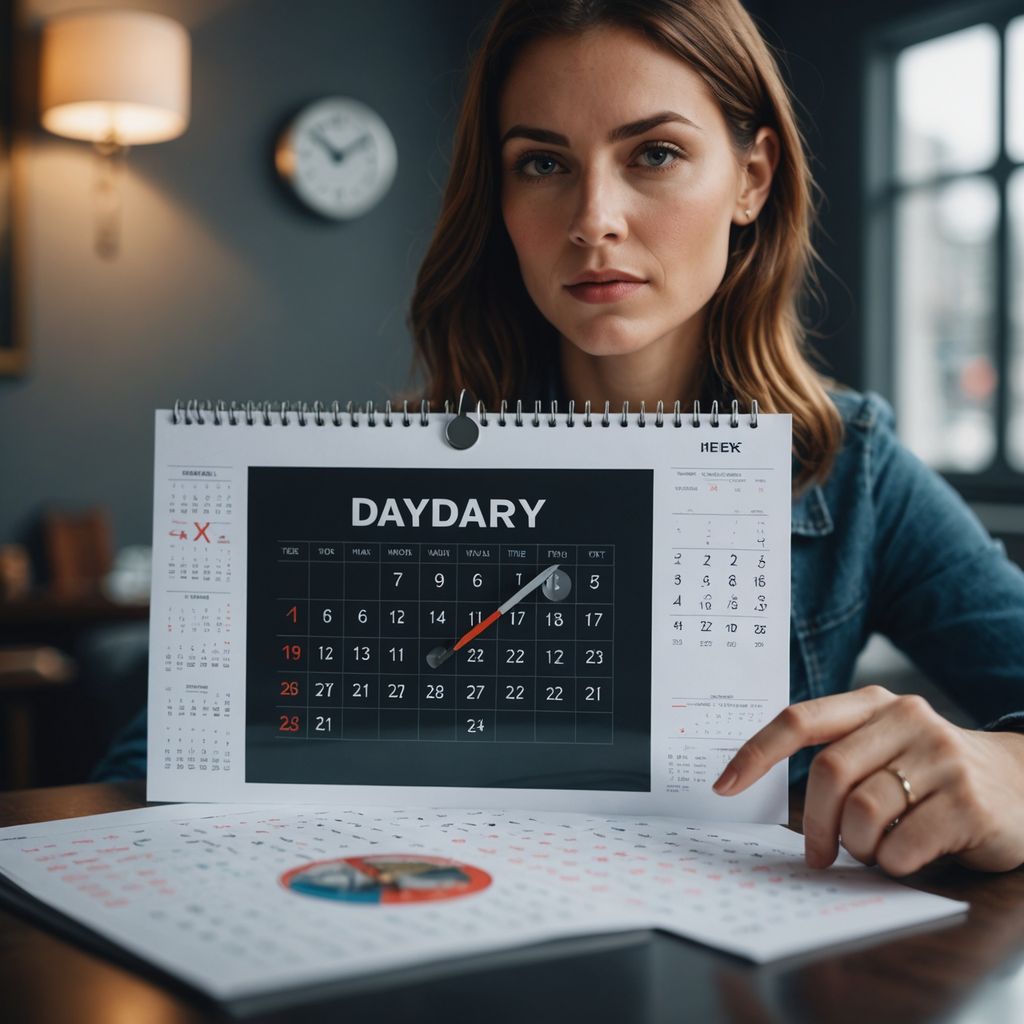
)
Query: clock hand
[
  {"x": 439, "y": 655},
  {"x": 335, "y": 154},
  {"x": 361, "y": 141}
]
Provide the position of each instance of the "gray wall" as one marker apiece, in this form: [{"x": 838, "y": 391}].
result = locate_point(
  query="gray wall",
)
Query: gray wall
[{"x": 225, "y": 287}]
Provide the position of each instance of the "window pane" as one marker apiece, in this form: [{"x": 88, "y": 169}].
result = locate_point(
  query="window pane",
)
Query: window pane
[
  {"x": 947, "y": 94},
  {"x": 945, "y": 274},
  {"x": 1015, "y": 435},
  {"x": 1015, "y": 89}
]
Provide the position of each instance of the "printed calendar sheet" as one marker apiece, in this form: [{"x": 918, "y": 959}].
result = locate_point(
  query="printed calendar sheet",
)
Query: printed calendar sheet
[
  {"x": 241, "y": 900},
  {"x": 576, "y": 617}
]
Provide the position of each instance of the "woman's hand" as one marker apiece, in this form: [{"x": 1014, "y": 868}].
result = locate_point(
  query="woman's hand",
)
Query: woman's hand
[{"x": 967, "y": 786}]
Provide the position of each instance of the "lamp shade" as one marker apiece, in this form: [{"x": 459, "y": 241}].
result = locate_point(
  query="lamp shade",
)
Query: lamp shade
[{"x": 114, "y": 75}]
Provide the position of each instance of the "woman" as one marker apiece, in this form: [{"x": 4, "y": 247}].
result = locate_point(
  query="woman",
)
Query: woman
[{"x": 628, "y": 218}]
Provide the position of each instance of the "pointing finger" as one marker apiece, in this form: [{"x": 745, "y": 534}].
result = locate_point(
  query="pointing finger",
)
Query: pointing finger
[{"x": 800, "y": 725}]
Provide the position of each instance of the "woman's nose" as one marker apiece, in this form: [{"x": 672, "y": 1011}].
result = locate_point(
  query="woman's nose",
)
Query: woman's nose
[{"x": 600, "y": 213}]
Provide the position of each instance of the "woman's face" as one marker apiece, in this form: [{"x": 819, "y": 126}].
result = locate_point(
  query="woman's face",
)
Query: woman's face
[{"x": 616, "y": 164}]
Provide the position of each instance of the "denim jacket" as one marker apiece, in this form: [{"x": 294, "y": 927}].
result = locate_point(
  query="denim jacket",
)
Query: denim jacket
[
  {"x": 886, "y": 546},
  {"x": 883, "y": 545}
]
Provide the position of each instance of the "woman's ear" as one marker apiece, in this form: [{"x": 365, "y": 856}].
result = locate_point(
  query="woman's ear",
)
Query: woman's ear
[{"x": 756, "y": 175}]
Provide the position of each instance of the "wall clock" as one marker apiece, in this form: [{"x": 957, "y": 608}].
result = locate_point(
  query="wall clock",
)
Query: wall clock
[{"x": 338, "y": 157}]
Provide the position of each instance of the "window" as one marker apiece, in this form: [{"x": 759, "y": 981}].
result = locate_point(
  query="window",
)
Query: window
[{"x": 945, "y": 240}]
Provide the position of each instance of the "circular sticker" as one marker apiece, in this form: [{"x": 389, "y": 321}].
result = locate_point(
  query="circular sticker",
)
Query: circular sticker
[{"x": 386, "y": 878}]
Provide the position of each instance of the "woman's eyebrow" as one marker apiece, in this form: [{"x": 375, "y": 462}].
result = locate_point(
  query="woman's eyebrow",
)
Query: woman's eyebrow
[
  {"x": 522, "y": 131},
  {"x": 625, "y": 131}
]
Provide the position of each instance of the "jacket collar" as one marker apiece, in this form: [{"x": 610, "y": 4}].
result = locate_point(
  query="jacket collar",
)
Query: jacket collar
[{"x": 811, "y": 517}]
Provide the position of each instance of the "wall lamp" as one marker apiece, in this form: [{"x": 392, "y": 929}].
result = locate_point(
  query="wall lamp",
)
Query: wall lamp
[{"x": 115, "y": 78}]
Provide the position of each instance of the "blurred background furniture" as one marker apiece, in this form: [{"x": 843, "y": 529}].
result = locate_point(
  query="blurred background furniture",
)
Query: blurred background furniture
[
  {"x": 25, "y": 673},
  {"x": 79, "y": 550},
  {"x": 74, "y": 556},
  {"x": 72, "y": 657}
]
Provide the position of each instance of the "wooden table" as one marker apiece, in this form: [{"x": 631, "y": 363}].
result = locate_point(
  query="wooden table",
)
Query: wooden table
[{"x": 967, "y": 971}]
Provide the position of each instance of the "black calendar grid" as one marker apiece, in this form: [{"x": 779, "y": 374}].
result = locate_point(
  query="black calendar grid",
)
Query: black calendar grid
[
  {"x": 538, "y": 742},
  {"x": 568, "y": 696}
]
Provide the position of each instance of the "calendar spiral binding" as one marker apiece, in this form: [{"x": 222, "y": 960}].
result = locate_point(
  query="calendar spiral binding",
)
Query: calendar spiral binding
[{"x": 302, "y": 413}]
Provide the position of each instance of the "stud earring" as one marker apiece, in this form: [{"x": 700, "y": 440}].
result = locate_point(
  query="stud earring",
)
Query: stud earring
[{"x": 747, "y": 212}]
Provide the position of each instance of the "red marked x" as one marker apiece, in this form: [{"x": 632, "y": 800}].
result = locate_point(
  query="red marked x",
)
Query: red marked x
[{"x": 201, "y": 532}]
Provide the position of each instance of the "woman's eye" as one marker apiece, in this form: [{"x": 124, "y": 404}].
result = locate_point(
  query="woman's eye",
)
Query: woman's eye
[
  {"x": 542, "y": 165},
  {"x": 537, "y": 165},
  {"x": 659, "y": 156}
]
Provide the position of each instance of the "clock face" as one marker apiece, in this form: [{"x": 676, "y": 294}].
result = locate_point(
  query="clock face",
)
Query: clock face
[{"x": 338, "y": 156}]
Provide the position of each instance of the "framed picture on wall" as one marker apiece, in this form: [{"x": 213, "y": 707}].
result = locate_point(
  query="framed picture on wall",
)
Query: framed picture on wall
[{"x": 13, "y": 354}]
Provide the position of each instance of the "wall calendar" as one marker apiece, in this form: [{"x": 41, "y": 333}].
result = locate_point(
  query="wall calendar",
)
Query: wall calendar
[{"x": 585, "y": 612}]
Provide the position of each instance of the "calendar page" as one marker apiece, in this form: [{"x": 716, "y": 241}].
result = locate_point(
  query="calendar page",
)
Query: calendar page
[
  {"x": 240, "y": 900},
  {"x": 562, "y": 617}
]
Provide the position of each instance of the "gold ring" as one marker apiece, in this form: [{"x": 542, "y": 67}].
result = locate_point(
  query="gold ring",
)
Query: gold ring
[{"x": 904, "y": 782}]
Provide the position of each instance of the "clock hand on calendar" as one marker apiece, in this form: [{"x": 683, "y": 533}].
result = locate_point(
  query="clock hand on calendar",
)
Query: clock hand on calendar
[{"x": 439, "y": 655}]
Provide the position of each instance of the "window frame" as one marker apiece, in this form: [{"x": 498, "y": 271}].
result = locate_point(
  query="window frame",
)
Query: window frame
[{"x": 999, "y": 482}]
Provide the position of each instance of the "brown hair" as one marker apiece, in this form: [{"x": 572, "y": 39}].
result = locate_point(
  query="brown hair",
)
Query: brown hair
[{"x": 474, "y": 325}]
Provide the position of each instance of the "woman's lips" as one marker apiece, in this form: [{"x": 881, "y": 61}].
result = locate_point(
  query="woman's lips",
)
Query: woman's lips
[{"x": 605, "y": 291}]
